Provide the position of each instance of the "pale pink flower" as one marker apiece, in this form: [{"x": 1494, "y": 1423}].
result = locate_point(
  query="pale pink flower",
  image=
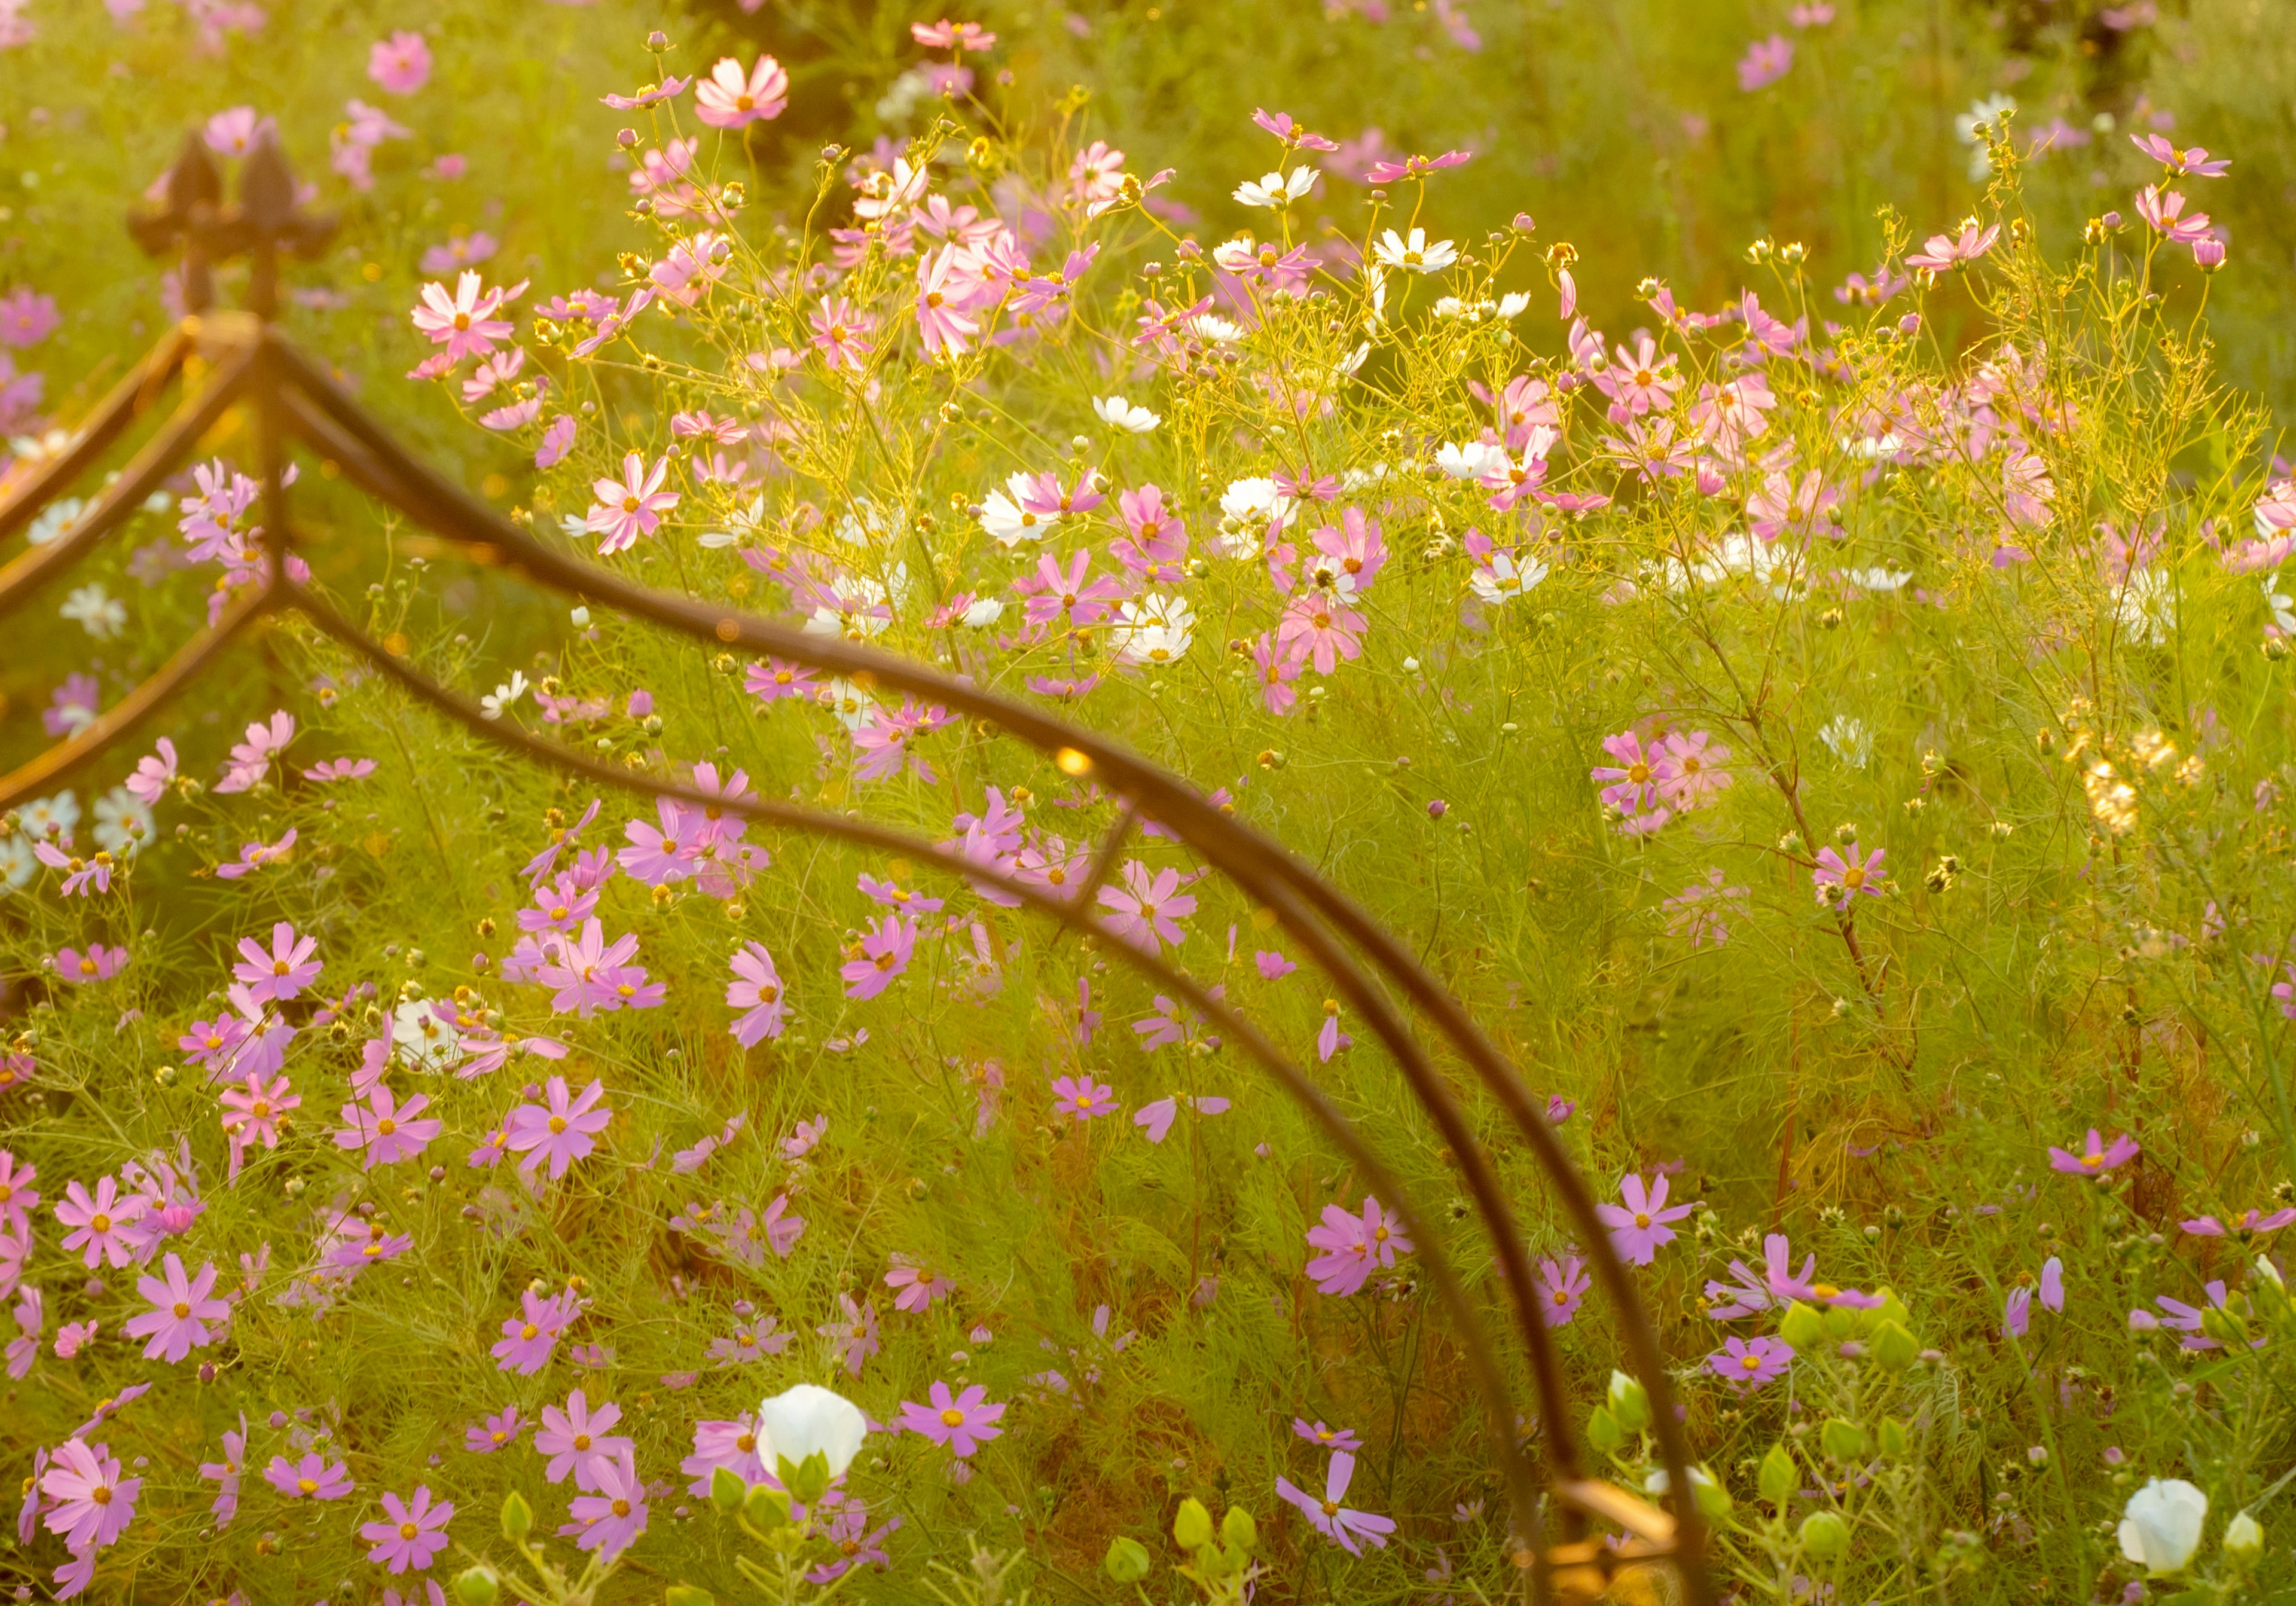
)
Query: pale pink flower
[
  {"x": 729, "y": 98},
  {"x": 400, "y": 64}
]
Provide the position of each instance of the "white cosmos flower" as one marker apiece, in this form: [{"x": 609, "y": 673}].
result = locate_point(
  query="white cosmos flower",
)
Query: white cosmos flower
[
  {"x": 2161, "y": 1526},
  {"x": 1416, "y": 254},
  {"x": 1212, "y": 327},
  {"x": 1462, "y": 462},
  {"x": 426, "y": 1042},
  {"x": 1118, "y": 414},
  {"x": 1276, "y": 189},
  {"x": 123, "y": 821},
  {"x": 983, "y": 613},
  {"x": 1878, "y": 579},
  {"x": 1152, "y": 629},
  {"x": 18, "y": 862},
  {"x": 49, "y": 816},
  {"x": 503, "y": 695},
  {"x": 853, "y": 706},
  {"x": 810, "y": 1421},
  {"x": 56, "y": 519},
  {"x": 1513, "y": 304},
  {"x": 1505, "y": 579},
  {"x": 95, "y": 610},
  {"x": 1849, "y": 739},
  {"x": 2283, "y": 605},
  {"x": 2144, "y": 606}
]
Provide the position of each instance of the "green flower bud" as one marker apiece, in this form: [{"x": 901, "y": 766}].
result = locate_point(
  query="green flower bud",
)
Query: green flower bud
[
  {"x": 727, "y": 1490},
  {"x": 808, "y": 1480},
  {"x": 1840, "y": 1322},
  {"x": 1779, "y": 1477},
  {"x": 1238, "y": 1531},
  {"x": 1894, "y": 1348},
  {"x": 1602, "y": 1431},
  {"x": 687, "y": 1594},
  {"x": 1629, "y": 1403},
  {"x": 1825, "y": 1535},
  {"x": 1842, "y": 1441},
  {"x": 2244, "y": 1538},
  {"x": 1191, "y": 1525},
  {"x": 1801, "y": 1326},
  {"x": 765, "y": 1509},
  {"x": 479, "y": 1586},
  {"x": 1894, "y": 1437},
  {"x": 517, "y": 1517},
  {"x": 1127, "y": 1561}
]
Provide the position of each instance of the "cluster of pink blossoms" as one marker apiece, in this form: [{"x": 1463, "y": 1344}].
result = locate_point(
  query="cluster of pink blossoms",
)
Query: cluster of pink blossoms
[{"x": 1655, "y": 779}]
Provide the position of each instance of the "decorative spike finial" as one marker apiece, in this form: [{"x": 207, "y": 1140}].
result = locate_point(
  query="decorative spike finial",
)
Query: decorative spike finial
[{"x": 264, "y": 221}]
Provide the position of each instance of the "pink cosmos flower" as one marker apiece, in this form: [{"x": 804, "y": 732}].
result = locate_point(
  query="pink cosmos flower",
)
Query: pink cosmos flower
[
  {"x": 560, "y": 1130},
  {"x": 387, "y": 1130},
  {"x": 102, "y": 1225},
  {"x": 1765, "y": 63},
  {"x": 732, "y": 1444},
  {"x": 1689, "y": 769},
  {"x": 1777, "y": 1284},
  {"x": 2194, "y": 163},
  {"x": 2244, "y": 1227},
  {"x": 1080, "y": 1098},
  {"x": 400, "y": 64},
  {"x": 576, "y": 1440},
  {"x": 225, "y": 1474},
  {"x": 237, "y": 131},
  {"x": 1562, "y": 1285},
  {"x": 963, "y": 1423},
  {"x": 918, "y": 1288},
  {"x": 855, "y": 1334},
  {"x": 1147, "y": 910},
  {"x": 412, "y": 1535},
  {"x": 1414, "y": 167},
  {"x": 1747, "y": 1363},
  {"x": 181, "y": 1309},
  {"x": 99, "y": 964},
  {"x": 2187, "y": 1319},
  {"x": 608, "y": 1520},
  {"x": 945, "y": 287},
  {"x": 83, "y": 878},
  {"x": 882, "y": 955},
  {"x": 282, "y": 973},
  {"x": 1941, "y": 253},
  {"x": 1851, "y": 875},
  {"x": 93, "y": 1504},
  {"x": 2164, "y": 210},
  {"x": 1328, "y": 1438},
  {"x": 631, "y": 506},
  {"x": 1343, "y": 1526},
  {"x": 18, "y": 1198},
  {"x": 1638, "y": 1228},
  {"x": 1354, "y": 1247},
  {"x": 464, "y": 322},
  {"x": 729, "y": 98},
  {"x": 1632, "y": 781},
  {"x": 492, "y": 1433},
  {"x": 313, "y": 1478},
  {"x": 27, "y": 319},
  {"x": 957, "y": 36},
  {"x": 2095, "y": 1160},
  {"x": 1321, "y": 629},
  {"x": 1156, "y": 1120},
  {"x": 529, "y": 1337},
  {"x": 154, "y": 774},
  {"x": 756, "y": 987}
]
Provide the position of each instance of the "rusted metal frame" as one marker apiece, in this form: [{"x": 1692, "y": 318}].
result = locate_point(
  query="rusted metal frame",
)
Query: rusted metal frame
[
  {"x": 36, "y": 775},
  {"x": 1104, "y": 858},
  {"x": 1483, "y": 1362},
  {"x": 194, "y": 416},
  {"x": 126, "y": 402},
  {"x": 449, "y": 511}
]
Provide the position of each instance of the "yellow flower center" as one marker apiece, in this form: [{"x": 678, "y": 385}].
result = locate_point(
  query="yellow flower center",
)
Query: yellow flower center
[{"x": 953, "y": 1417}]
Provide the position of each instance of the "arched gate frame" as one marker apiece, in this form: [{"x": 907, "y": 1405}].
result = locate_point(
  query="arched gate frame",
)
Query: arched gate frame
[{"x": 239, "y": 358}]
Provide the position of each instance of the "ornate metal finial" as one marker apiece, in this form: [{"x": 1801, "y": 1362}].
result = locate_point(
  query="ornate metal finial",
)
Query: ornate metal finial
[{"x": 263, "y": 223}]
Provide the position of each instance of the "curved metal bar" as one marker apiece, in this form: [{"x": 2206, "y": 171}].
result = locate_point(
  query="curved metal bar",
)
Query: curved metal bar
[
  {"x": 388, "y": 479},
  {"x": 36, "y": 775},
  {"x": 121, "y": 406},
  {"x": 451, "y": 514},
  {"x": 194, "y": 416},
  {"x": 1070, "y": 912}
]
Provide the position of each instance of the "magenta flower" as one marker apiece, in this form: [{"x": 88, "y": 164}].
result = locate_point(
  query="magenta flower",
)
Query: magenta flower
[
  {"x": 2194, "y": 163},
  {"x": 1778, "y": 1284},
  {"x": 255, "y": 1112},
  {"x": 1562, "y": 1285},
  {"x": 2017, "y": 1313},
  {"x": 492, "y": 1433},
  {"x": 400, "y": 64},
  {"x": 464, "y": 322},
  {"x": 225, "y": 1474},
  {"x": 561, "y": 1130},
  {"x": 576, "y": 1440},
  {"x": 2052, "y": 1284},
  {"x": 27, "y": 318},
  {"x": 631, "y": 506},
  {"x": 93, "y": 1504},
  {"x": 732, "y": 1444},
  {"x": 1148, "y": 907},
  {"x": 918, "y": 1288},
  {"x": 99, "y": 964},
  {"x": 2097, "y": 1158},
  {"x": 1690, "y": 770},
  {"x": 1765, "y": 63},
  {"x": 2164, "y": 210},
  {"x": 1156, "y": 1120},
  {"x": 962, "y": 1422},
  {"x": 412, "y": 1535},
  {"x": 1943, "y": 252},
  {"x": 1638, "y": 1228},
  {"x": 2186, "y": 1318},
  {"x": 947, "y": 286},
  {"x": 1321, "y": 629},
  {"x": 1330, "y": 1438},
  {"x": 2208, "y": 1226},
  {"x": 1353, "y": 1247},
  {"x": 101, "y": 1226},
  {"x": 855, "y": 1334},
  {"x": 882, "y": 954},
  {"x": 83, "y": 878},
  {"x": 313, "y": 1478},
  {"x": 730, "y": 98},
  {"x": 1632, "y": 781},
  {"x": 609, "y": 1521},
  {"x": 181, "y": 1309},
  {"x": 282, "y": 973},
  {"x": 1848, "y": 874},
  {"x": 529, "y": 1337},
  {"x": 1080, "y": 1098},
  {"x": 1747, "y": 1363},
  {"x": 756, "y": 987},
  {"x": 387, "y": 1130},
  {"x": 1336, "y": 1523}
]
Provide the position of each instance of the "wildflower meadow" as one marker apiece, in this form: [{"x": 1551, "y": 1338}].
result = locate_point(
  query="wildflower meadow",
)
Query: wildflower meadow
[{"x": 1753, "y": 541}]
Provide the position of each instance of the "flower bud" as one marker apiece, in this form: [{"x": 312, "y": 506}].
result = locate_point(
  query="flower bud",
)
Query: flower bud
[
  {"x": 765, "y": 1509},
  {"x": 479, "y": 1586},
  {"x": 1894, "y": 1349},
  {"x": 687, "y": 1594},
  {"x": 2244, "y": 1538},
  {"x": 1191, "y": 1525},
  {"x": 1801, "y": 1326},
  {"x": 1842, "y": 1441},
  {"x": 1238, "y": 1531},
  {"x": 1127, "y": 1561},
  {"x": 1825, "y": 1535},
  {"x": 1779, "y": 1475},
  {"x": 1629, "y": 1403},
  {"x": 517, "y": 1517},
  {"x": 727, "y": 1490}
]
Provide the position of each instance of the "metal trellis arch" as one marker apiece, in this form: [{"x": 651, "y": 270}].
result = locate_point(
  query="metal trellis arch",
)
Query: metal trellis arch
[{"x": 227, "y": 358}]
